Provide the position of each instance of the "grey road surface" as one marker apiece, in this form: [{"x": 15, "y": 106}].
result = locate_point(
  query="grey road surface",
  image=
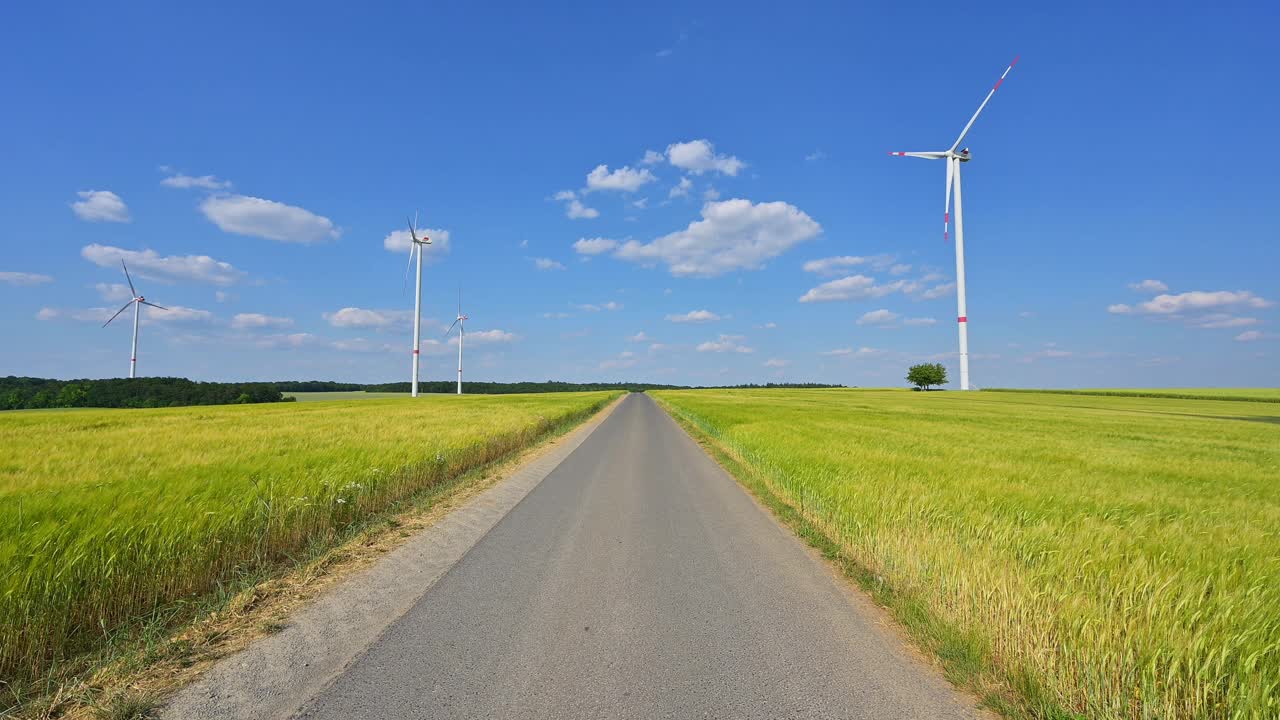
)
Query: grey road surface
[{"x": 637, "y": 580}]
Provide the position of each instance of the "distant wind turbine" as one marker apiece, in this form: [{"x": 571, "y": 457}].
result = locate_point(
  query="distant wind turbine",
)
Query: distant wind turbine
[
  {"x": 954, "y": 159},
  {"x": 461, "y": 323},
  {"x": 137, "y": 302},
  {"x": 415, "y": 248}
]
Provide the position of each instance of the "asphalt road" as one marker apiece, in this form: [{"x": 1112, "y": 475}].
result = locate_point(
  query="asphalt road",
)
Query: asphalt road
[{"x": 637, "y": 581}]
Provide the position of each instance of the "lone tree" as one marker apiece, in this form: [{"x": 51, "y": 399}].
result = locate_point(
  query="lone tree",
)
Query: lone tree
[{"x": 926, "y": 374}]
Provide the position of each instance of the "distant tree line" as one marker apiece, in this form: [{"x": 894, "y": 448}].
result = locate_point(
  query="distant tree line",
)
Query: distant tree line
[
  {"x": 496, "y": 388},
  {"x": 25, "y": 393}
]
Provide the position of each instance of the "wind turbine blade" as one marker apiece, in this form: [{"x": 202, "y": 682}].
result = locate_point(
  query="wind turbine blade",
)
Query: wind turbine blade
[
  {"x": 985, "y": 100},
  {"x": 926, "y": 155},
  {"x": 413, "y": 234},
  {"x": 446, "y": 332},
  {"x": 144, "y": 302},
  {"x": 946, "y": 213},
  {"x": 126, "y": 277},
  {"x": 113, "y": 317},
  {"x": 404, "y": 285}
]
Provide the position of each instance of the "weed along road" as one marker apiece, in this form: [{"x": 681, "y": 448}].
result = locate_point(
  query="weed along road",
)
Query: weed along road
[{"x": 637, "y": 580}]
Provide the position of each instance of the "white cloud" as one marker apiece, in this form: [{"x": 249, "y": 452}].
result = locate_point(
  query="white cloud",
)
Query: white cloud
[
  {"x": 223, "y": 296},
  {"x": 256, "y": 217},
  {"x": 919, "y": 322},
  {"x": 638, "y": 337},
  {"x": 853, "y": 287},
  {"x": 900, "y": 269},
  {"x": 398, "y": 241},
  {"x": 150, "y": 264},
  {"x": 776, "y": 363},
  {"x": 1149, "y": 286},
  {"x": 364, "y": 318},
  {"x": 840, "y": 263},
  {"x": 290, "y": 340},
  {"x": 556, "y": 315},
  {"x": 100, "y": 206},
  {"x": 594, "y": 246},
  {"x": 938, "y": 291},
  {"x": 623, "y": 360},
  {"x": 259, "y": 320},
  {"x": 113, "y": 292},
  {"x": 24, "y": 279},
  {"x": 850, "y": 352},
  {"x": 624, "y": 179},
  {"x": 1193, "y": 301},
  {"x": 652, "y": 157},
  {"x": 732, "y": 235},
  {"x": 573, "y": 207},
  {"x": 592, "y": 307},
  {"x": 547, "y": 264},
  {"x": 681, "y": 189},
  {"x": 699, "y": 156},
  {"x": 711, "y": 194},
  {"x": 1223, "y": 320},
  {"x": 725, "y": 343},
  {"x": 878, "y": 317},
  {"x": 99, "y": 315},
  {"x": 484, "y": 337},
  {"x": 365, "y": 345},
  {"x": 176, "y": 313},
  {"x": 694, "y": 316},
  {"x": 1250, "y": 336},
  {"x": 815, "y": 156},
  {"x": 207, "y": 182}
]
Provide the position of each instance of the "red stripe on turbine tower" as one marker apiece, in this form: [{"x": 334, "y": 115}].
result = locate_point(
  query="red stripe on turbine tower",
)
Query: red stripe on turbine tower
[
  {"x": 415, "y": 352},
  {"x": 962, "y": 318}
]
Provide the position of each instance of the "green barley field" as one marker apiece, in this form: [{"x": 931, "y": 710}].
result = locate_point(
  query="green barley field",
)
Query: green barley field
[
  {"x": 107, "y": 516},
  {"x": 1100, "y": 557}
]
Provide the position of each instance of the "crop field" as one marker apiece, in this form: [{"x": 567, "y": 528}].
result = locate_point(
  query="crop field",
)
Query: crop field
[
  {"x": 108, "y": 515},
  {"x": 1113, "y": 557},
  {"x": 1253, "y": 394},
  {"x": 343, "y": 395}
]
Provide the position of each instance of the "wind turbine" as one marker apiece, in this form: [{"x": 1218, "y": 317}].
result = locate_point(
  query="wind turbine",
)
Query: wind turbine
[
  {"x": 416, "y": 245},
  {"x": 954, "y": 159},
  {"x": 137, "y": 302},
  {"x": 460, "y": 321}
]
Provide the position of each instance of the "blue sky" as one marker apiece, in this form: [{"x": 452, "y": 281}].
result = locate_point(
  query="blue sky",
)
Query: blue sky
[{"x": 252, "y": 162}]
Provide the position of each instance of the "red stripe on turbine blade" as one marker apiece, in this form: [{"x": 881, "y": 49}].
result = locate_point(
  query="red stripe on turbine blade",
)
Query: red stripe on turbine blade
[
  {"x": 946, "y": 237},
  {"x": 1015, "y": 61},
  {"x": 963, "y": 319},
  {"x": 997, "y": 87}
]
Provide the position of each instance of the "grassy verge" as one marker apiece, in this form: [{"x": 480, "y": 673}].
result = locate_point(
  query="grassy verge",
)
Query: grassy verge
[
  {"x": 421, "y": 466},
  {"x": 1061, "y": 556}
]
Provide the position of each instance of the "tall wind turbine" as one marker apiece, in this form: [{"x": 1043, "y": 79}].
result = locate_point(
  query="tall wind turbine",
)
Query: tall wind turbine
[
  {"x": 954, "y": 158},
  {"x": 415, "y": 248},
  {"x": 137, "y": 302},
  {"x": 461, "y": 323}
]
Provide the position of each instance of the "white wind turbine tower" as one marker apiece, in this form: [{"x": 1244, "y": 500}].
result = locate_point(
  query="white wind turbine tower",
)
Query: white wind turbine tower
[
  {"x": 137, "y": 302},
  {"x": 415, "y": 248},
  {"x": 954, "y": 158},
  {"x": 460, "y": 321}
]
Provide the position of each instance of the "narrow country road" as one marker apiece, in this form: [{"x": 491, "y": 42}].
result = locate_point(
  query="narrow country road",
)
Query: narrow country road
[{"x": 637, "y": 580}]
